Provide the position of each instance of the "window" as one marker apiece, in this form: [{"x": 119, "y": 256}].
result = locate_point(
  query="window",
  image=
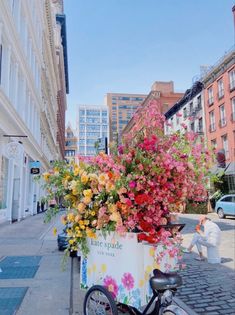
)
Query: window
[
  {"x": 93, "y": 112},
  {"x": 222, "y": 116},
  {"x": 191, "y": 108},
  {"x": 210, "y": 96},
  {"x": 192, "y": 126},
  {"x": 227, "y": 199},
  {"x": 200, "y": 125},
  {"x": 220, "y": 89},
  {"x": 232, "y": 80},
  {"x": 225, "y": 145},
  {"x": 3, "y": 183},
  {"x": 82, "y": 112},
  {"x": 233, "y": 109},
  {"x": 104, "y": 114},
  {"x": 199, "y": 102},
  {"x": 185, "y": 112},
  {"x": 212, "y": 121}
]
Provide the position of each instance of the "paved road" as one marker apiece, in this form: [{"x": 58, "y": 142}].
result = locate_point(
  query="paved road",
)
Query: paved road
[{"x": 209, "y": 289}]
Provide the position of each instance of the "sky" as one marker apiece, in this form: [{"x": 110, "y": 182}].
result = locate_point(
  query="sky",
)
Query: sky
[{"x": 124, "y": 46}]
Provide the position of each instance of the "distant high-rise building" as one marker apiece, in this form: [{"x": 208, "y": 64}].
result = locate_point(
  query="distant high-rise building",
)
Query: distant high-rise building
[
  {"x": 71, "y": 144},
  {"x": 121, "y": 109},
  {"x": 92, "y": 129}
]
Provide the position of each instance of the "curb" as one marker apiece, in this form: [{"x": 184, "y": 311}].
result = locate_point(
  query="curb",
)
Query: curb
[{"x": 185, "y": 307}]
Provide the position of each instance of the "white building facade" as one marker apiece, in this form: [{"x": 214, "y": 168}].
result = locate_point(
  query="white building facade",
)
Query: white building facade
[
  {"x": 28, "y": 105},
  {"x": 92, "y": 126},
  {"x": 188, "y": 113}
]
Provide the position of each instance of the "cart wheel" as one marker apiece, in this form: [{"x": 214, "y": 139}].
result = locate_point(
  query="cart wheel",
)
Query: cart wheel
[{"x": 99, "y": 301}]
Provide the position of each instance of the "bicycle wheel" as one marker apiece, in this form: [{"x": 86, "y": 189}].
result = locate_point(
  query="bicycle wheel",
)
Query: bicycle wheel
[
  {"x": 173, "y": 310},
  {"x": 99, "y": 301}
]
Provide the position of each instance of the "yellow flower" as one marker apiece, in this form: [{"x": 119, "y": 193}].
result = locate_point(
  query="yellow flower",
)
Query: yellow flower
[
  {"x": 115, "y": 216},
  {"x": 152, "y": 251},
  {"x": 84, "y": 178},
  {"x": 102, "y": 178},
  {"x": 54, "y": 231},
  {"x": 78, "y": 234},
  {"x": 109, "y": 186},
  {"x": 75, "y": 191},
  {"x": 76, "y": 170},
  {"x": 90, "y": 233},
  {"x": 46, "y": 176},
  {"x": 77, "y": 218},
  {"x": 94, "y": 267},
  {"x": 112, "y": 208},
  {"x": 71, "y": 241},
  {"x": 93, "y": 213},
  {"x": 70, "y": 217},
  {"x": 81, "y": 207},
  {"x": 87, "y": 193},
  {"x": 86, "y": 222},
  {"x": 93, "y": 177},
  {"x": 148, "y": 269},
  {"x": 156, "y": 265},
  {"x": 87, "y": 200},
  {"x": 103, "y": 268}
]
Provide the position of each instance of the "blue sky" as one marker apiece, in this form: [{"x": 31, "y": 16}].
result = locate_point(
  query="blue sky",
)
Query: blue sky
[{"x": 126, "y": 45}]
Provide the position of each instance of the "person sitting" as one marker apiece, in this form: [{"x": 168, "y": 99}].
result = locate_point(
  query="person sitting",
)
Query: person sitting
[{"x": 210, "y": 239}]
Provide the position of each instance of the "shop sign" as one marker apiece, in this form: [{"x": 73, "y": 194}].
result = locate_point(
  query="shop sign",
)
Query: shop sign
[{"x": 14, "y": 150}]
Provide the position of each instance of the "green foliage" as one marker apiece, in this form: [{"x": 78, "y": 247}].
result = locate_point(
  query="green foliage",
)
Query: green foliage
[{"x": 196, "y": 207}]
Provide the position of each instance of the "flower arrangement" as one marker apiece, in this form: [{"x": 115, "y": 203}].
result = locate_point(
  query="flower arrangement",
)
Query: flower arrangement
[{"x": 136, "y": 188}]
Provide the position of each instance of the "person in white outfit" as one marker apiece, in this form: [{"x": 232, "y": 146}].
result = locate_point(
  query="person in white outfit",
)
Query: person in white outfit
[{"x": 210, "y": 238}]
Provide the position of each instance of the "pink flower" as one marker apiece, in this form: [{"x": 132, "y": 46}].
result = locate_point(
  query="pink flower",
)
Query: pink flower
[
  {"x": 111, "y": 285},
  {"x": 128, "y": 281},
  {"x": 132, "y": 184}
]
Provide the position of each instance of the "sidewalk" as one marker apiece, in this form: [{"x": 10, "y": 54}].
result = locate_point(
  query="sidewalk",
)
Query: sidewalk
[{"x": 48, "y": 292}]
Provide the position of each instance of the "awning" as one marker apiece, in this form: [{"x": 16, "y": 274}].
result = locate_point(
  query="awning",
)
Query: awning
[{"x": 228, "y": 170}]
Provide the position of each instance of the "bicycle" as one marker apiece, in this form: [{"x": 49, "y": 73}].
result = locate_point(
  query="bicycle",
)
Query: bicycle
[{"x": 99, "y": 301}]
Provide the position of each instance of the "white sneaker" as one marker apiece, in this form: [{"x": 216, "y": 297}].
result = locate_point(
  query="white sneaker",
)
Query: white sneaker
[
  {"x": 186, "y": 251},
  {"x": 200, "y": 258}
]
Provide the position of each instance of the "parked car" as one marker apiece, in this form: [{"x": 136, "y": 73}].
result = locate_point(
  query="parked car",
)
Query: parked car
[
  {"x": 63, "y": 241},
  {"x": 225, "y": 206}
]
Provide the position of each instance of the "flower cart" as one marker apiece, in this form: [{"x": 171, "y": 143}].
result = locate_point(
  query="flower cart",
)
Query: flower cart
[
  {"x": 124, "y": 265},
  {"x": 136, "y": 189}
]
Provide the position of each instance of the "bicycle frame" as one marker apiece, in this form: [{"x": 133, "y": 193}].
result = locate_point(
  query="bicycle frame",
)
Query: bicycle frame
[{"x": 134, "y": 311}]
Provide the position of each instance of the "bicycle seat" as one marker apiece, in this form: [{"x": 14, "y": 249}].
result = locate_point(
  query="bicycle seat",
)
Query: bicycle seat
[{"x": 163, "y": 281}]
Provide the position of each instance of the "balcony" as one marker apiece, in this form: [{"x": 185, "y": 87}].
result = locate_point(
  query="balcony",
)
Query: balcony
[
  {"x": 233, "y": 116},
  {"x": 220, "y": 94},
  {"x": 211, "y": 101},
  {"x": 212, "y": 127},
  {"x": 222, "y": 122},
  {"x": 232, "y": 85}
]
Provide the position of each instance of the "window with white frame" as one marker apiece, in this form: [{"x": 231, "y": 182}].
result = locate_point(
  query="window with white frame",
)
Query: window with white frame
[
  {"x": 210, "y": 96},
  {"x": 232, "y": 79},
  {"x": 224, "y": 139},
  {"x": 233, "y": 109},
  {"x": 220, "y": 88},
  {"x": 222, "y": 116},
  {"x": 212, "y": 121}
]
